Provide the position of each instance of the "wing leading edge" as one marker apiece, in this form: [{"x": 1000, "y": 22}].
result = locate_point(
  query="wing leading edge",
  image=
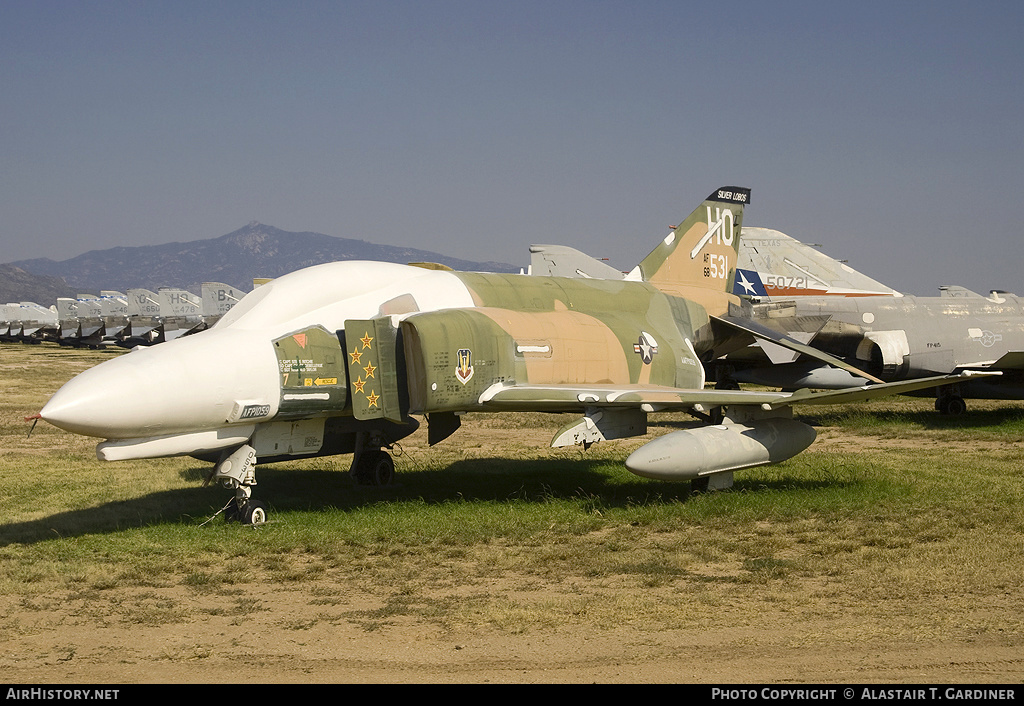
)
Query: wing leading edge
[{"x": 651, "y": 398}]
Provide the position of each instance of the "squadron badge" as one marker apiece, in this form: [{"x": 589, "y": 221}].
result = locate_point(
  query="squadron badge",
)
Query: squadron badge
[{"x": 464, "y": 367}]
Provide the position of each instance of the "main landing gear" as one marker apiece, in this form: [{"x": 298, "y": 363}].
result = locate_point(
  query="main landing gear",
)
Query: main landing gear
[
  {"x": 371, "y": 464},
  {"x": 948, "y": 401}
]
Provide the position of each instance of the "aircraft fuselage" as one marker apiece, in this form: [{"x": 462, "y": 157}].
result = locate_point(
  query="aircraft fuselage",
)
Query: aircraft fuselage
[{"x": 281, "y": 362}]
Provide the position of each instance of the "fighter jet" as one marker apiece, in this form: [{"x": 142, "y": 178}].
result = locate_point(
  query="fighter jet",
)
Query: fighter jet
[
  {"x": 114, "y": 309},
  {"x": 81, "y": 321},
  {"x": 336, "y": 358},
  {"x": 145, "y": 326},
  {"x": 181, "y": 312},
  {"x": 27, "y": 322},
  {"x": 218, "y": 298},
  {"x": 796, "y": 289}
]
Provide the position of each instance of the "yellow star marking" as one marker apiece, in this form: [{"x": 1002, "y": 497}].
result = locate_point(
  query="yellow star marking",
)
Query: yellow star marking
[
  {"x": 356, "y": 355},
  {"x": 372, "y": 399},
  {"x": 369, "y": 370},
  {"x": 358, "y": 385},
  {"x": 366, "y": 340}
]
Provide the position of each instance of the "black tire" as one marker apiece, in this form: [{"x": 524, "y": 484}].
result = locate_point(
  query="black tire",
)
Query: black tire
[
  {"x": 375, "y": 467},
  {"x": 955, "y": 406},
  {"x": 255, "y": 513},
  {"x": 384, "y": 470}
]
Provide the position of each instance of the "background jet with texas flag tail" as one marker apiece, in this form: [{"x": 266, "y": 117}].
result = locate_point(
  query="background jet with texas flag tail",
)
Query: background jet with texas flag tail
[
  {"x": 797, "y": 290},
  {"x": 336, "y": 358},
  {"x": 748, "y": 283},
  {"x": 772, "y": 264}
]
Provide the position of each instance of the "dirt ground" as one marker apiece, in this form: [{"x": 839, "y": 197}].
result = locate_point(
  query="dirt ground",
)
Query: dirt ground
[
  {"x": 66, "y": 639},
  {"x": 768, "y": 649}
]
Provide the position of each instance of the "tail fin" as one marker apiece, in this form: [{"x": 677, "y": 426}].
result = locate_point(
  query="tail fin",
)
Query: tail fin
[
  {"x": 773, "y": 265},
  {"x": 698, "y": 258}
]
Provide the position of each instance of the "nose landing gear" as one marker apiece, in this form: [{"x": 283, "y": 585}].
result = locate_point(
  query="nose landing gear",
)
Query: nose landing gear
[
  {"x": 238, "y": 471},
  {"x": 246, "y": 512}
]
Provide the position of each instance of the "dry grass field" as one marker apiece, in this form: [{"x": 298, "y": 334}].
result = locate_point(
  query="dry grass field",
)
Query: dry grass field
[{"x": 891, "y": 551}]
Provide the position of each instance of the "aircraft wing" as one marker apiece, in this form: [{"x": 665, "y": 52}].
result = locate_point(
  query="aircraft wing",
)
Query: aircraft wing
[
  {"x": 764, "y": 333},
  {"x": 504, "y": 397},
  {"x": 558, "y": 398},
  {"x": 866, "y": 392}
]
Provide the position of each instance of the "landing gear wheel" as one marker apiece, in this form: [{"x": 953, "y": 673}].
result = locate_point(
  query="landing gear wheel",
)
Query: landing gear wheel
[
  {"x": 254, "y": 513},
  {"x": 375, "y": 467},
  {"x": 952, "y": 406}
]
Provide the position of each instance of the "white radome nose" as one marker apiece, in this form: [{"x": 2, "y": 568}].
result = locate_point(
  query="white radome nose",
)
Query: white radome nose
[{"x": 185, "y": 385}]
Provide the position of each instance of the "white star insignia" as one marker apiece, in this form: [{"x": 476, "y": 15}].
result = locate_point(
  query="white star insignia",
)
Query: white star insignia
[{"x": 747, "y": 286}]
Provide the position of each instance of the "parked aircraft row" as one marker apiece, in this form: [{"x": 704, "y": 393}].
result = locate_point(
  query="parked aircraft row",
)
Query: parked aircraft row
[
  {"x": 795, "y": 290},
  {"x": 140, "y": 317},
  {"x": 336, "y": 358}
]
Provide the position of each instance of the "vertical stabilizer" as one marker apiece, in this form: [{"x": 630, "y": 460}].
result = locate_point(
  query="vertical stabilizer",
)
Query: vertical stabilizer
[
  {"x": 773, "y": 265},
  {"x": 697, "y": 260}
]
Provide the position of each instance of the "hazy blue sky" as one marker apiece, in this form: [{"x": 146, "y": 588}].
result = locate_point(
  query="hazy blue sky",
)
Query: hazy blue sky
[{"x": 889, "y": 132}]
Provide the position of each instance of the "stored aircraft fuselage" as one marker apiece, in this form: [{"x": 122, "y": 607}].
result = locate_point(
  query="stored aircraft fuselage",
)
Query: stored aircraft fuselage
[
  {"x": 290, "y": 348},
  {"x": 901, "y": 338}
]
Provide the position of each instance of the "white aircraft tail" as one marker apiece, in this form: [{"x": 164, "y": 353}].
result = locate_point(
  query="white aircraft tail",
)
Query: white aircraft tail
[{"x": 773, "y": 265}]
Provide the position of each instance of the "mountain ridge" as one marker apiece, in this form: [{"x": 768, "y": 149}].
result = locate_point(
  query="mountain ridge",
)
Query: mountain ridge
[
  {"x": 254, "y": 250},
  {"x": 17, "y": 285}
]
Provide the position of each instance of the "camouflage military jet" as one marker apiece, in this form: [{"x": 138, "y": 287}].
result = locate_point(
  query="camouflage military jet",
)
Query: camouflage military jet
[
  {"x": 334, "y": 359},
  {"x": 794, "y": 288}
]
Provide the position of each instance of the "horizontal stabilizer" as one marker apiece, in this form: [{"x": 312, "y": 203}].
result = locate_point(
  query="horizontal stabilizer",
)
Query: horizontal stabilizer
[
  {"x": 780, "y": 354},
  {"x": 1011, "y": 360},
  {"x": 764, "y": 333}
]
